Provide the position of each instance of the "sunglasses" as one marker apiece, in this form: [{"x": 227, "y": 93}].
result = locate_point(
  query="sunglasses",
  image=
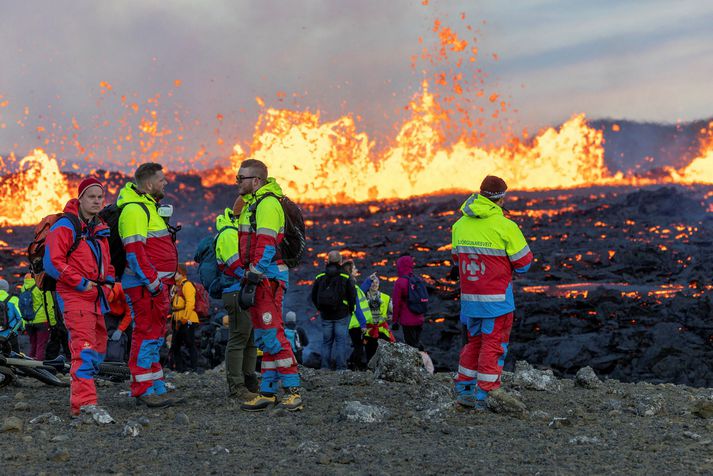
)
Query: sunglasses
[{"x": 242, "y": 178}]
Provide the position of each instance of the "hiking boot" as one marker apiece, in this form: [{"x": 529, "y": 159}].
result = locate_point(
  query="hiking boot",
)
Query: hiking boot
[
  {"x": 292, "y": 401},
  {"x": 98, "y": 414},
  {"x": 259, "y": 403},
  {"x": 155, "y": 401},
  {"x": 470, "y": 402},
  {"x": 242, "y": 394}
]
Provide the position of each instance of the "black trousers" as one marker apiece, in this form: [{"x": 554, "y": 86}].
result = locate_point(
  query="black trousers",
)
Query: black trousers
[
  {"x": 58, "y": 342},
  {"x": 412, "y": 336},
  {"x": 184, "y": 335}
]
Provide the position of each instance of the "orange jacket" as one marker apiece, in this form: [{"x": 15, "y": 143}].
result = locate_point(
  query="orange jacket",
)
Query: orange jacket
[{"x": 118, "y": 306}]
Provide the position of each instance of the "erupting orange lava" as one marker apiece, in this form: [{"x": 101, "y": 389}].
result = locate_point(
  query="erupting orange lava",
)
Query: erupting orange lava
[
  {"x": 701, "y": 168},
  {"x": 332, "y": 162},
  {"x": 37, "y": 190}
]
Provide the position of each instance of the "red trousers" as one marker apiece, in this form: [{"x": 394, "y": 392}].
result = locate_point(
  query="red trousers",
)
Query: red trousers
[
  {"x": 483, "y": 356},
  {"x": 87, "y": 343},
  {"x": 150, "y": 314},
  {"x": 279, "y": 365}
]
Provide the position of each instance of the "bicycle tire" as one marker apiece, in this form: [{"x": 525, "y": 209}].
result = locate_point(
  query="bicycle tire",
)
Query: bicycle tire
[
  {"x": 111, "y": 369},
  {"x": 7, "y": 376},
  {"x": 44, "y": 376}
]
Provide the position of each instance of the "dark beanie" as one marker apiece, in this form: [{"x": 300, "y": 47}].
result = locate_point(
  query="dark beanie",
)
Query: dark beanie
[{"x": 493, "y": 187}]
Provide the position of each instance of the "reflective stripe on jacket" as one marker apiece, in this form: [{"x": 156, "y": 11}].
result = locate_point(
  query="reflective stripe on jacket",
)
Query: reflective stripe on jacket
[
  {"x": 362, "y": 313},
  {"x": 151, "y": 254},
  {"x": 227, "y": 253},
  {"x": 267, "y": 236},
  {"x": 487, "y": 248}
]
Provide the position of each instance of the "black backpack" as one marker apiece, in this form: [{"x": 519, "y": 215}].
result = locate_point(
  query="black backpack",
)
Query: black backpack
[
  {"x": 4, "y": 315},
  {"x": 331, "y": 292},
  {"x": 417, "y": 300},
  {"x": 293, "y": 244},
  {"x": 110, "y": 214}
]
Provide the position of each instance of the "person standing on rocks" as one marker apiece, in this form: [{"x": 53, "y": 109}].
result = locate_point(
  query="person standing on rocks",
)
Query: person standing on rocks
[
  {"x": 360, "y": 319},
  {"x": 42, "y": 307},
  {"x": 487, "y": 248},
  {"x": 185, "y": 322},
  {"x": 382, "y": 311},
  {"x": 296, "y": 335},
  {"x": 334, "y": 296},
  {"x": 240, "y": 351},
  {"x": 10, "y": 315},
  {"x": 151, "y": 259},
  {"x": 261, "y": 226},
  {"x": 84, "y": 279},
  {"x": 403, "y": 315}
]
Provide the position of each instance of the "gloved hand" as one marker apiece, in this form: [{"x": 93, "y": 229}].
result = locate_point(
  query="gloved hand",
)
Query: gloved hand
[
  {"x": 157, "y": 291},
  {"x": 395, "y": 326},
  {"x": 116, "y": 335}
]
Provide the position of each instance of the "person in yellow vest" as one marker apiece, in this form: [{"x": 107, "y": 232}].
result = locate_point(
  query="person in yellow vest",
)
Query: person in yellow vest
[
  {"x": 360, "y": 319},
  {"x": 40, "y": 311},
  {"x": 381, "y": 313},
  {"x": 185, "y": 321}
]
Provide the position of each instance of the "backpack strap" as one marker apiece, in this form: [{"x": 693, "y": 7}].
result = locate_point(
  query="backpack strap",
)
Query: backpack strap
[
  {"x": 253, "y": 209},
  {"x": 253, "y": 222},
  {"x": 77, "y": 225},
  {"x": 143, "y": 206}
]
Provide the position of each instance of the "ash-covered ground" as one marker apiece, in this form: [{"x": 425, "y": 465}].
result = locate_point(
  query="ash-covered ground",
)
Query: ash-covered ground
[{"x": 356, "y": 423}]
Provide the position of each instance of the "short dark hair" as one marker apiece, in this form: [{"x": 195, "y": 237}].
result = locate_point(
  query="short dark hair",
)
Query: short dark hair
[
  {"x": 348, "y": 266},
  {"x": 257, "y": 165},
  {"x": 146, "y": 171}
]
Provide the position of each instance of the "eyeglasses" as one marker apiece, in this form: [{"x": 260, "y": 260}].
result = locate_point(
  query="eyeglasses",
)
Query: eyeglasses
[{"x": 242, "y": 178}]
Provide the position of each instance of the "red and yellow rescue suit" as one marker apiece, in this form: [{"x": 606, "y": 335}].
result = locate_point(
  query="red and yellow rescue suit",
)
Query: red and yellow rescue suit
[
  {"x": 487, "y": 248},
  {"x": 151, "y": 262}
]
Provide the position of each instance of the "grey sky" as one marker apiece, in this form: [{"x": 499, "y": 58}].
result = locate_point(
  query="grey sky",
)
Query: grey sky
[{"x": 642, "y": 60}]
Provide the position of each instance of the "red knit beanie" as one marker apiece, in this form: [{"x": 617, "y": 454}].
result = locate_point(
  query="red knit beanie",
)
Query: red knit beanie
[
  {"x": 86, "y": 183},
  {"x": 493, "y": 187}
]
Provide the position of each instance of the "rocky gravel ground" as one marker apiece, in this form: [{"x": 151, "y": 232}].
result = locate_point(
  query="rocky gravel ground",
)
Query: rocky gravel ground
[{"x": 362, "y": 423}]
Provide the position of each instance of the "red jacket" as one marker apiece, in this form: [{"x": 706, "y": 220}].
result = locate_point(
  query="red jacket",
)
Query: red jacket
[
  {"x": 402, "y": 314},
  {"x": 90, "y": 261}
]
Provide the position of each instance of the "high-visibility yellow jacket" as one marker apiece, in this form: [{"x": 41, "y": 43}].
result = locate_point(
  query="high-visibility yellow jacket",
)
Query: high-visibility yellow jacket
[{"x": 487, "y": 248}]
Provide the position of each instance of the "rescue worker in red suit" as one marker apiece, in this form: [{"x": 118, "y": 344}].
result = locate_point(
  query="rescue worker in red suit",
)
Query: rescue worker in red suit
[
  {"x": 151, "y": 262},
  {"x": 77, "y": 257},
  {"x": 487, "y": 247},
  {"x": 261, "y": 226}
]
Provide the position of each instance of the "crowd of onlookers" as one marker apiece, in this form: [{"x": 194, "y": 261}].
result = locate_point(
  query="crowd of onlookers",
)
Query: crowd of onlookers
[{"x": 106, "y": 282}]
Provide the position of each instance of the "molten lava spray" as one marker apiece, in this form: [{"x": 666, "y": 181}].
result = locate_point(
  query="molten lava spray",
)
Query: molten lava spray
[{"x": 37, "y": 190}]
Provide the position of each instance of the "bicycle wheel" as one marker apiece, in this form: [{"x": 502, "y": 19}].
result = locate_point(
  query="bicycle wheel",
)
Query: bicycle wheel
[
  {"x": 7, "y": 376},
  {"x": 44, "y": 376},
  {"x": 115, "y": 370}
]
